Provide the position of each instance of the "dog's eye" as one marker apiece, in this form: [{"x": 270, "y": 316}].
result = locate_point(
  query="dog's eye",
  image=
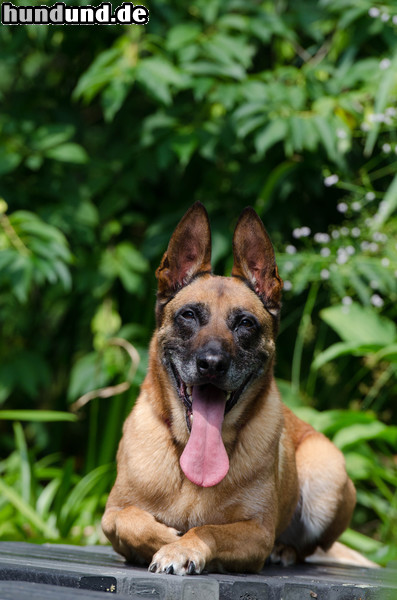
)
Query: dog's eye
[
  {"x": 247, "y": 323},
  {"x": 188, "y": 315}
]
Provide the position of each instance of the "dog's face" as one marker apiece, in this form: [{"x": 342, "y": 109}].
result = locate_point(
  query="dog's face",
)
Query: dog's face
[
  {"x": 216, "y": 331},
  {"x": 216, "y": 335}
]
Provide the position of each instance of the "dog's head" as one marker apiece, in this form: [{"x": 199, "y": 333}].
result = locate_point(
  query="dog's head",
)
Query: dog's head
[{"x": 216, "y": 334}]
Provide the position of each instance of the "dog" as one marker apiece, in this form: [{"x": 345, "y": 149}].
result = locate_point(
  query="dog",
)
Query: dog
[{"x": 213, "y": 471}]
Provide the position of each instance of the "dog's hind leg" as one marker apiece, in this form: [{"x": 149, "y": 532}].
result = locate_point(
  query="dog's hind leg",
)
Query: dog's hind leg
[{"x": 326, "y": 503}]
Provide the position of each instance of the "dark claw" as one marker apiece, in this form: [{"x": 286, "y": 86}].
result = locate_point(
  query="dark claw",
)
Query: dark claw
[
  {"x": 170, "y": 570},
  {"x": 180, "y": 533},
  {"x": 153, "y": 567},
  {"x": 191, "y": 568}
]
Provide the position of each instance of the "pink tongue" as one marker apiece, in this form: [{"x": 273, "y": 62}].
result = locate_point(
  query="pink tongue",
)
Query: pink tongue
[{"x": 204, "y": 460}]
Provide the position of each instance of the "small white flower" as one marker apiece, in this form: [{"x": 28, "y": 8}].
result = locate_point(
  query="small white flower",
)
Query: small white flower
[
  {"x": 376, "y": 300},
  {"x": 386, "y": 148},
  {"x": 290, "y": 249},
  {"x": 394, "y": 19},
  {"x": 370, "y": 196},
  {"x": 379, "y": 237},
  {"x": 368, "y": 222},
  {"x": 390, "y": 111},
  {"x": 384, "y": 64},
  {"x": 297, "y": 233},
  {"x": 385, "y": 17},
  {"x": 373, "y": 284},
  {"x": 342, "y": 207},
  {"x": 331, "y": 180},
  {"x": 344, "y": 231},
  {"x": 325, "y": 252},
  {"x": 341, "y": 134},
  {"x": 356, "y": 206},
  {"x": 305, "y": 231},
  {"x": 373, "y": 247},
  {"x": 374, "y": 12},
  {"x": 321, "y": 238},
  {"x": 287, "y": 285},
  {"x": 342, "y": 258},
  {"x": 356, "y": 232},
  {"x": 365, "y": 126},
  {"x": 350, "y": 250},
  {"x": 376, "y": 117},
  {"x": 365, "y": 245},
  {"x": 324, "y": 274},
  {"x": 347, "y": 300},
  {"x": 385, "y": 262},
  {"x": 335, "y": 234},
  {"x": 288, "y": 266}
]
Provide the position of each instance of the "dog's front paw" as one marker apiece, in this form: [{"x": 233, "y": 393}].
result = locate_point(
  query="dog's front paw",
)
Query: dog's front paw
[{"x": 178, "y": 559}]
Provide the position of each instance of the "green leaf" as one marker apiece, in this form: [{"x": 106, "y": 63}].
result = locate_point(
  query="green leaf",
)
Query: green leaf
[
  {"x": 87, "y": 374},
  {"x": 181, "y": 35},
  {"x": 358, "y": 324},
  {"x": 343, "y": 349},
  {"x": 388, "y": 353},
  {"x": 387, "y": 206},
  {"x": 268, "y": 137},
  {"x": 383, "y": 92},
  {"x": 358, "y": 433},
  {"x": 102, "y": 71},
  {"x": 327, "y": 136},
  {"x": 69, "y": 152},
  {"x": 113, "y": 98},
  {"x": 48, "y": 136},
  {"x": 159, "y": 76},
  {"x": 184, "y": 147},
  {"x": 9, "y": 160},
  {"x": 360, "y": 542}
]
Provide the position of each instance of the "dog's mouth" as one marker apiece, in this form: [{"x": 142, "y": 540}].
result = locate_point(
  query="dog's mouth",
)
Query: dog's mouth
[
  {"x": 185, "y": 393},
  {"x": 204, "y": 460}
]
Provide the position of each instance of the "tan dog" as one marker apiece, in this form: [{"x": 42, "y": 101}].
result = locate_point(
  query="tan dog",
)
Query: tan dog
[{"x": 214, "y": 471}]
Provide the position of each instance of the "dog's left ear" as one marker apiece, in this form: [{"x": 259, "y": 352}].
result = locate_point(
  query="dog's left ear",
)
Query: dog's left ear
[
  {"x": 187, "y": 255},
  {"x": 254, "y": 260}
]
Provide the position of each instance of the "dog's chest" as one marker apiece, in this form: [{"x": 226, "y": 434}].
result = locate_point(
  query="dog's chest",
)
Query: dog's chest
[{"x": 192, "y": 508}]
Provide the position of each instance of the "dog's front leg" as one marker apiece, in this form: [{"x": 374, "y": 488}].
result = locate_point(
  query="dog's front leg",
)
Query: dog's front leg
[
  {"x": 242, "y": 546},
  {"x": 135, "y": 533}
]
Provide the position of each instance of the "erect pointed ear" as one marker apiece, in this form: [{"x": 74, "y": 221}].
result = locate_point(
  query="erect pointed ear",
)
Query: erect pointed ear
[
  {"x": 187, "y": 255},
  {"x": 254, "y": 260}
]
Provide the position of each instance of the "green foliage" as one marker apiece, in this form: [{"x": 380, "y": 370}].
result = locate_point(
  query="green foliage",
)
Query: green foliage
[{"x": 105, "y": 141}]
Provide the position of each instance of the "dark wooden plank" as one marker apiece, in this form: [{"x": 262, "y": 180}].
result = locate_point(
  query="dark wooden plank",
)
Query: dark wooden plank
[
  {"x": 23, "y": 590},
  {"x": 99, "y": 569}
]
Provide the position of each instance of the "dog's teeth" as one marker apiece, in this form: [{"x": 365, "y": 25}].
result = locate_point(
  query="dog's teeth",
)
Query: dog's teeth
[
  {"x": 228, "y": 396},
  {"x": 191, "y": 419},
  {"x": 189, "y": 390}
]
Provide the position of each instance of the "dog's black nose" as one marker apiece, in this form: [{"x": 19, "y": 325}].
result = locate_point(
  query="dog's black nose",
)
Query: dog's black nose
[{"x": 212, "y": 362}]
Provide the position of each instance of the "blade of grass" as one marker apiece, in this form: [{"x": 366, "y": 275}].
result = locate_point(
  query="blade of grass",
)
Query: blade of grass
[
  {"x": 41, "y": 416},
  {"x": 300, "y": 339},
  {"x": 25, "y": 470},
  {"x": 27, "y": 511}
]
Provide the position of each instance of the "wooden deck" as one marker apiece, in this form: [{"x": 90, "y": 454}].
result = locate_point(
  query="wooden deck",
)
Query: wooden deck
[{"x": 29, "y": 571}]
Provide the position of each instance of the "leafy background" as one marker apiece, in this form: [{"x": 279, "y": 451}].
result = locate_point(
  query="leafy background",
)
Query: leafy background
[{"x": 107, "y": 135}]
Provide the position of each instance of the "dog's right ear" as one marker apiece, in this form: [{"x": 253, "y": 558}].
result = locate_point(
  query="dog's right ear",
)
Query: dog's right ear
[{"x": 187, "y": 255}]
